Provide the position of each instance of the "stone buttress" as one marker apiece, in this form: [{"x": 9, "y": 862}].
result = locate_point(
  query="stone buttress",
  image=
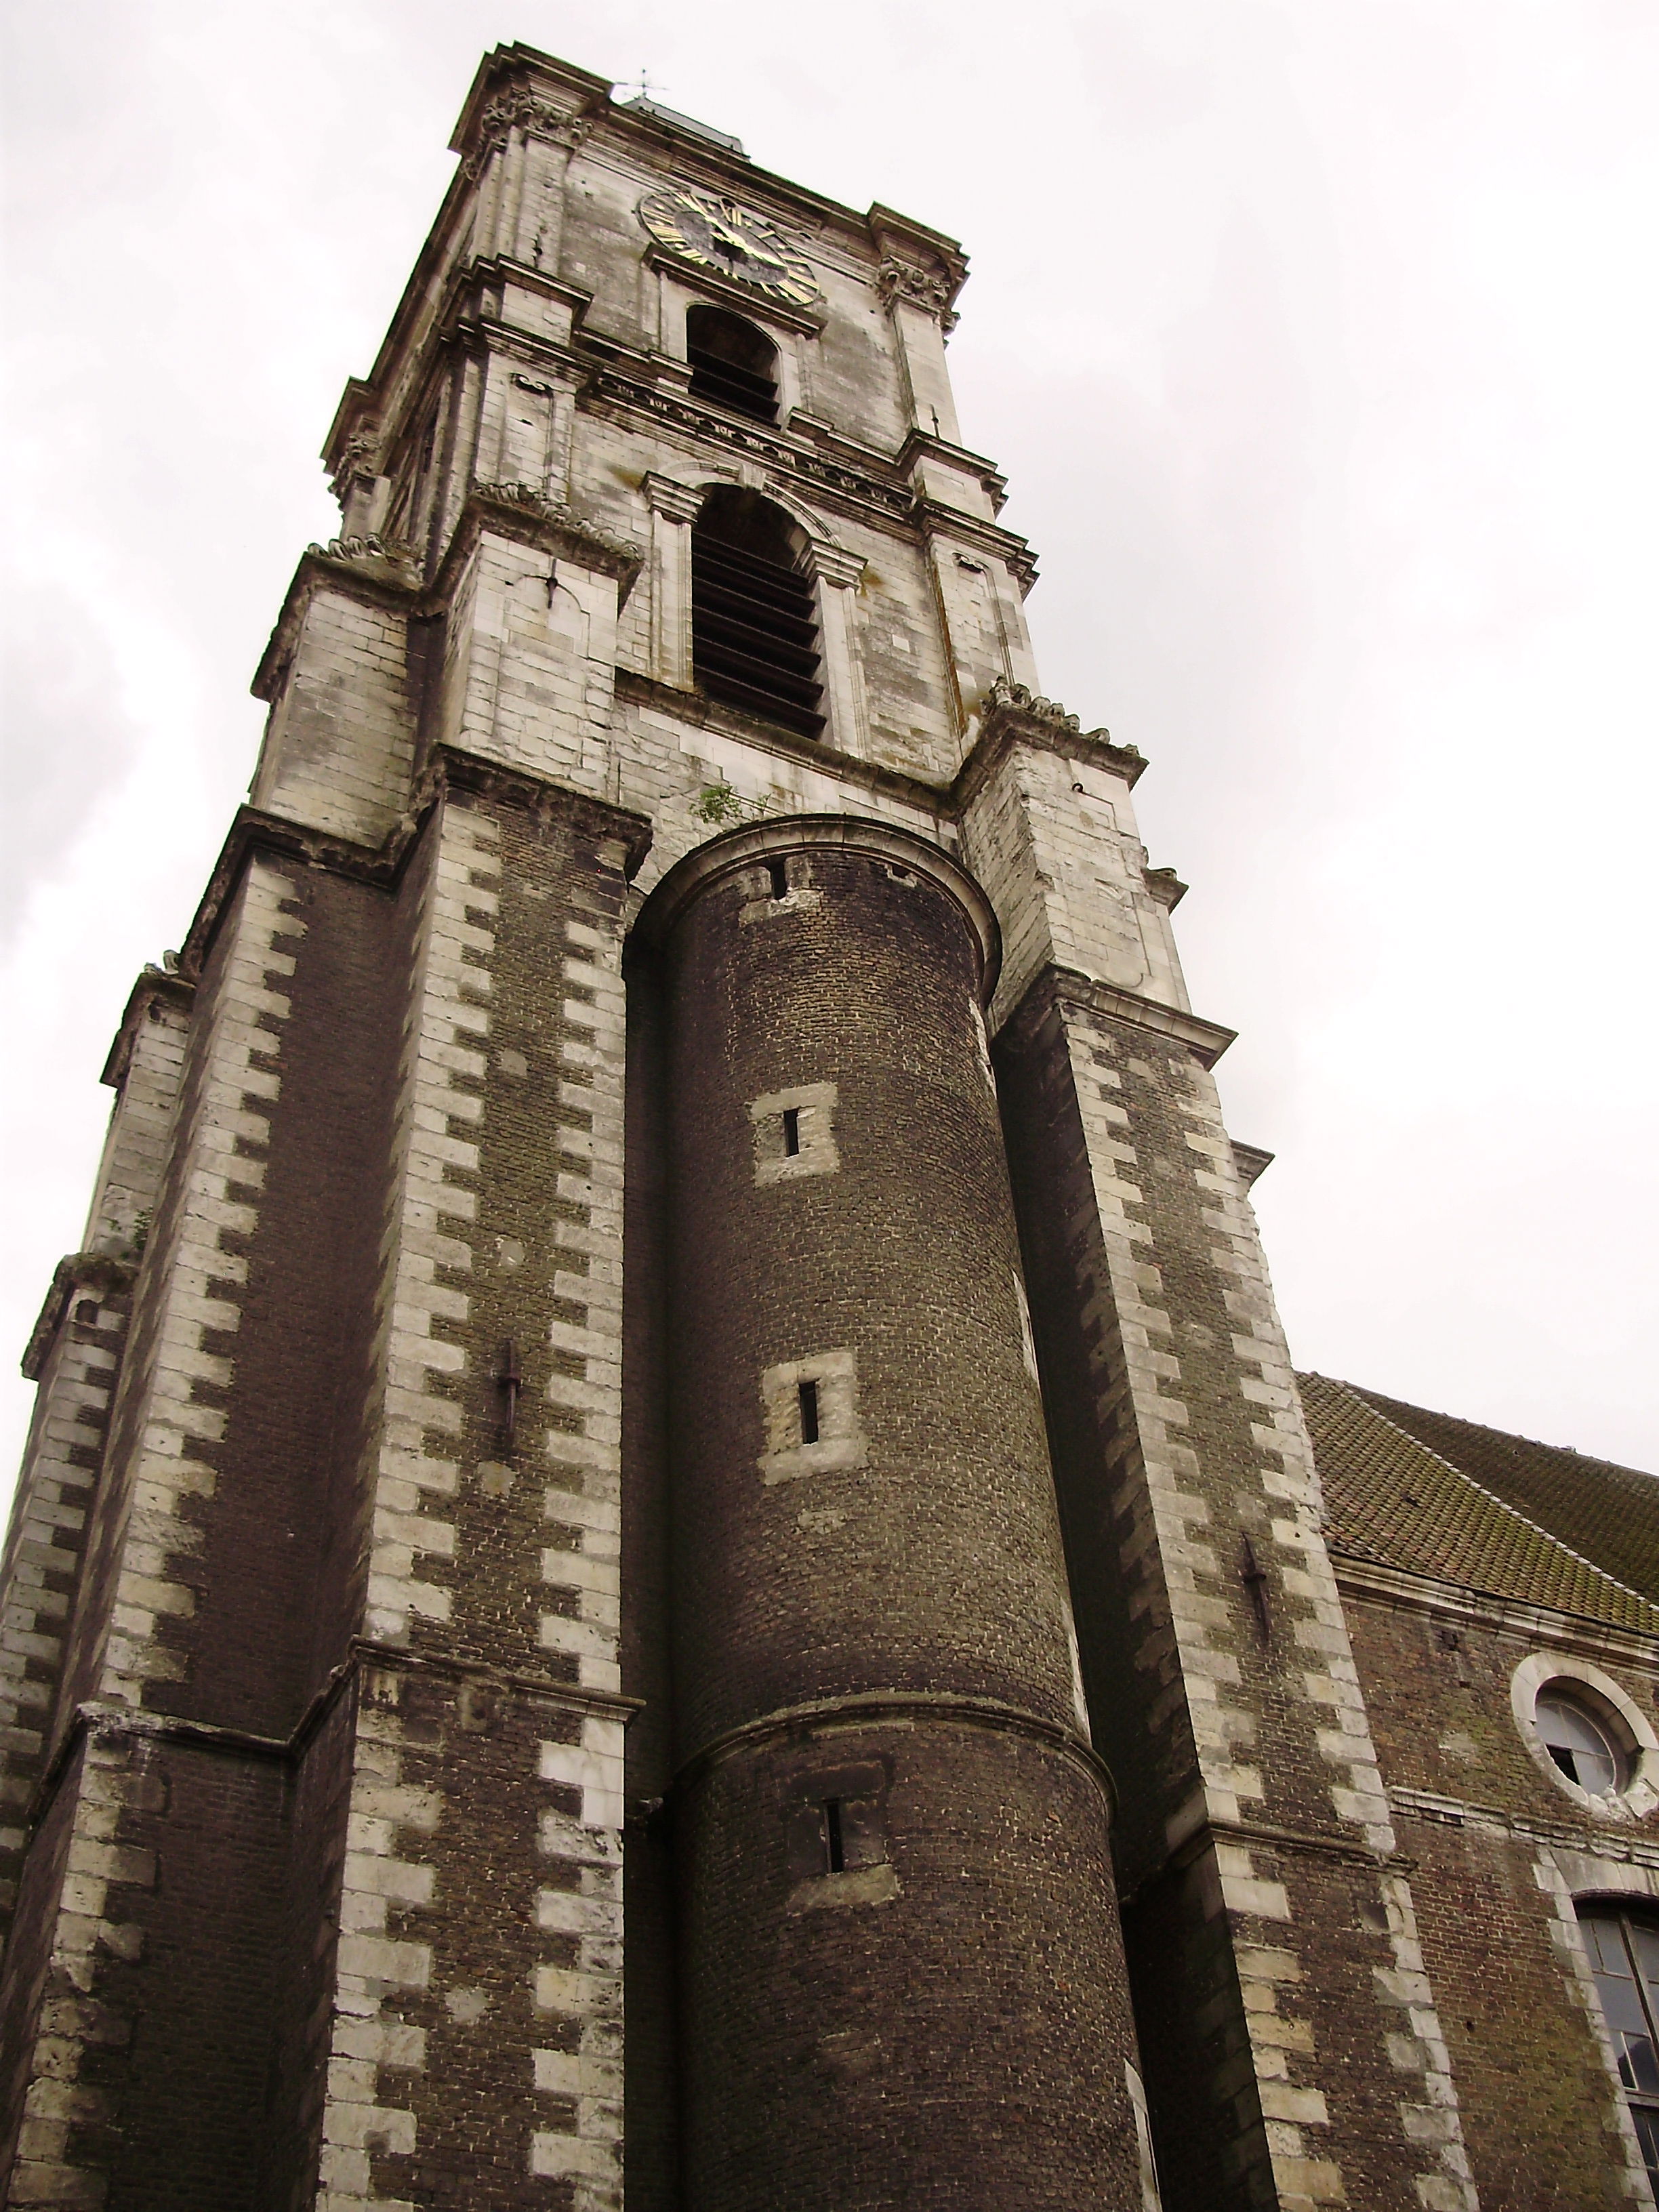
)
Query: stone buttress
[{"x": 1268, "y": 1913}]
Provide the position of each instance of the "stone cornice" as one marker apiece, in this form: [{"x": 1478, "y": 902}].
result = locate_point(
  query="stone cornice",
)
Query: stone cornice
[
  {"x": 545, "y": 801},
  {"x": 1251, "y": 1161},
  {"x": 1053, "y": 987},
  {"x": 1208, "y": 1833},
  {"x": 927, "y": 446},
  {"x": 101, "y": 1270},
  {"x": 363, "y": 569},
  {"x": 110, "y": 1723},
  {"x": 758, "y": 307},
  {"x": 906, "y": 1709},
  {"x": 153, "y": 983},
  {"x": 521, "y": 511},
  {"x": 697, "y": 711},
  {"x": 936, "y": 520},
  {"x": 1623, "y": 1848},
  {"x": 381, "y": 574},
  {"x": 1015, "y": 716},
  {"x": 253, "y": 830},
  {"x": 914, "y": 248},
  {"x": 819, "y": 476},
  {"x": 665, "y": 496},
  {"x": 1399, "y": 1587},
  {"x": 1165, "y": 886},
  {"x": 381, "y": 866},
  {"x": 522, "y": 74},
  {"x": 569, "y": 1696},
  {"x": 520, "y": 106},
  {"x": 705, "y": 865}
]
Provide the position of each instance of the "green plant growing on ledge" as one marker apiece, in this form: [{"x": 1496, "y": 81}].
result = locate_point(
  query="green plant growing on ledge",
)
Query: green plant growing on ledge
[{"x": 719, "y": 802}]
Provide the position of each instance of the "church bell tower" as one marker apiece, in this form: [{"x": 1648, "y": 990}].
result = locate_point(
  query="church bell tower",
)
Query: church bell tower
[{"x": 669, "y": 1550}]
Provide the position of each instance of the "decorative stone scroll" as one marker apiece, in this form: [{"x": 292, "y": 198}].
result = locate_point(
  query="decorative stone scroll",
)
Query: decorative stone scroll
[
  {"x": 1022, "y": 700},
  {"x": 927, "y": 288},
  {"x": 391, "y": 550},
  {"x": 522, "y": 109},
  {"x": 359, "y": 460},
  {"x": 534, "y": 501}
]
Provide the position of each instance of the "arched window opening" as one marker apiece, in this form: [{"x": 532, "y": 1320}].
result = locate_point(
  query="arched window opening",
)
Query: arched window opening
[
  {"x": 754, "y": 629},
  {"x": 1624, "y": 1957},
  {"x": 732, "y": 363}
]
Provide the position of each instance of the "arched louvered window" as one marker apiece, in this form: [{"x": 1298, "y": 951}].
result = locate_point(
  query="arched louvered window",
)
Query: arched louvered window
[
  {"x": 754, "y": 628},
  {"x": 732, "y": 363}
]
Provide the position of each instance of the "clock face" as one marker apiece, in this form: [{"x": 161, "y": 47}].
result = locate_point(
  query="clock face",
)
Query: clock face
[{"x": 716, "y": 231}]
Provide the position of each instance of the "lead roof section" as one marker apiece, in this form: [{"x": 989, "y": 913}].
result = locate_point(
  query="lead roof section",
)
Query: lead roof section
[{"x": 1393, "y": 1498}]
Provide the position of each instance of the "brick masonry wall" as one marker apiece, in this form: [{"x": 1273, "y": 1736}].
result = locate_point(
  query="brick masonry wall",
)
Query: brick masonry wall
[
  {"x": 1502, "y": 1855},
  {"x": 149, "y": 2064},
  {"x": 319, "y": 1789},
  {"x": 288, "y": 1330},
  {"x": 947, "y": 2028},
  {"x": 834, "y": 2026}
]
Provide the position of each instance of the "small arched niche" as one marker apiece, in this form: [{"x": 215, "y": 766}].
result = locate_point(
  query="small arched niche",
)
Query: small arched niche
[
  {"x": 732, "y": 363},
  {"x": 754, "y": 623}
]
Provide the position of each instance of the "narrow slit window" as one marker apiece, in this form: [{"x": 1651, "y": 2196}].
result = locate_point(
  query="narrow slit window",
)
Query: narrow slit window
[
  {"x": 835, "y": 1843},
  {"x": 808, "y": 1394},
  {"x": 791, "y": 1132},
  {"x": 780, "y": 875},
  {"x": 732, "y": 363},
  {"x": 753, "y": 619}
]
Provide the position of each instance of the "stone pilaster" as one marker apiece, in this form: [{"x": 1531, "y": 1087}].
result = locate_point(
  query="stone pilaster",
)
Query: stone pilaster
[
  {"x": 1270, "y": 1924},
  {"x": 481, "y": 1915}
]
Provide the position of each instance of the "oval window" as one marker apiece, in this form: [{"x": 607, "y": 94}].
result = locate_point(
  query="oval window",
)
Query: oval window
[{"x": 1580, "y": 1745}]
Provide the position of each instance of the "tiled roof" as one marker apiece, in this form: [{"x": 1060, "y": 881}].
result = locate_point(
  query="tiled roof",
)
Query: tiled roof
[
  {"x": 1610, "y": 1513},
  {"x": 1392, "y": 1498}
]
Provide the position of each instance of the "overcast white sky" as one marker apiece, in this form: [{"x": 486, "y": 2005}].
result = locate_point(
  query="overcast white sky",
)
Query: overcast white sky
[{"x": 1317, "y": 338}]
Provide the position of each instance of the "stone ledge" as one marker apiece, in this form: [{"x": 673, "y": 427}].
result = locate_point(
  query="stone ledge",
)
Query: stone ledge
[
  {"x": 1251, "y": 1162},
  {"x": 109, "y": 1722},
  {"x": 1053, "y": 987},
  {"x": 876, "y": 1708},
  {"x": 696, "y": 710},
  {"x": 153, "y": 983},
  {"x": 850, "y": 833},
  {"x": 81, "y": 1270},
  {"x": 1206, "y": 1834},
  {"x": 1016, "y": 716},
  {"x": 1371, "y": 1582},
  {"x": 381, "y": 866}
]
